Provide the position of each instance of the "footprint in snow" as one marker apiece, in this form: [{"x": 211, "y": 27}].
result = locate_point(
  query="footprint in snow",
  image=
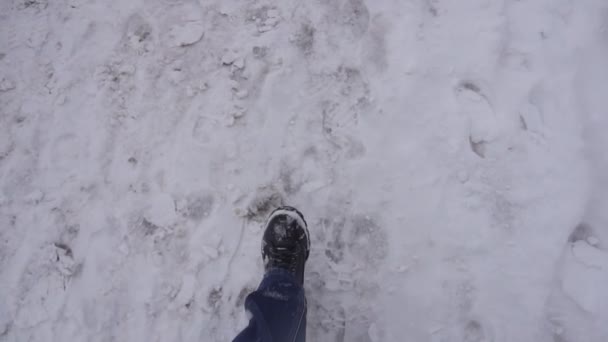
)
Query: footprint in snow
[
  {"x": 197, "y": 207},
  {"x": 475, "y": 332},
  {"x": 138, "y": 35},
  {"x": 355, "y": 240},
  {"x": 576, "y": 306},
  {"x": 343, "y": 276},
  {"x": 531, "y": 118},
  {"x": 341, "y": 108},
  {"x": 476, "y": 106},
  {"x": 374, "y": 50},
  {"x": 355, "y": 18}
]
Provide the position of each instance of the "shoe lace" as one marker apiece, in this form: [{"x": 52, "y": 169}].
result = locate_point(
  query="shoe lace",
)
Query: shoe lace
[{"x": 284, "y": 257}]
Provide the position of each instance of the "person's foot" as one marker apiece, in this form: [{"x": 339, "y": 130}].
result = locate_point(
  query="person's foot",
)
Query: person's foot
[{"x": 286, "y": 243}]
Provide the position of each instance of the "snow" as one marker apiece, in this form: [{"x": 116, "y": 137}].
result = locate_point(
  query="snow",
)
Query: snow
[{"x": 449, "y": 157}]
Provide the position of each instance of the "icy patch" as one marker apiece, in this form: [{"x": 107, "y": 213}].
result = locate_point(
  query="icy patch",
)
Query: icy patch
[
  {"x": 188, "y": 29},
  {"x": 187, "y": 33}
]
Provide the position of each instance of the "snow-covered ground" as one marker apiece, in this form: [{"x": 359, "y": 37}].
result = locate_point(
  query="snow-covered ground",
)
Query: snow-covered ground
[{"x": 451, "y": 158}]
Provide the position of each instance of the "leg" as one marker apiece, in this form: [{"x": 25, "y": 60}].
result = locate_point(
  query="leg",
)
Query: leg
[{"x": 278, "y": 306}]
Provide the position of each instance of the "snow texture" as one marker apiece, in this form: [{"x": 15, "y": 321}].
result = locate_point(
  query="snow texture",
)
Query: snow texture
[{"x": 450, "y": 158}]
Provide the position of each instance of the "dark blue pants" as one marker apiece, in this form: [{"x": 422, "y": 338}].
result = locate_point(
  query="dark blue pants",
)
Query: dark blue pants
[{"x": 278, "y": 310}]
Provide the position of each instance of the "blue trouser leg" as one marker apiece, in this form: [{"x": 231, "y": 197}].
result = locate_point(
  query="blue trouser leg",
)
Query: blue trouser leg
[{"x": 278, "y": 310}]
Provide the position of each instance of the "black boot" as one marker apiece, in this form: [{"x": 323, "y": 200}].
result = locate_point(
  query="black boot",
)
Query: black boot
[{"x": 286, "y": 243}]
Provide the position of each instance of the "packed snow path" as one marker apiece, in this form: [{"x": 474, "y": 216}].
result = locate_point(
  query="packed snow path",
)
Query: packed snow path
[{"x": 450, "y": 157}]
